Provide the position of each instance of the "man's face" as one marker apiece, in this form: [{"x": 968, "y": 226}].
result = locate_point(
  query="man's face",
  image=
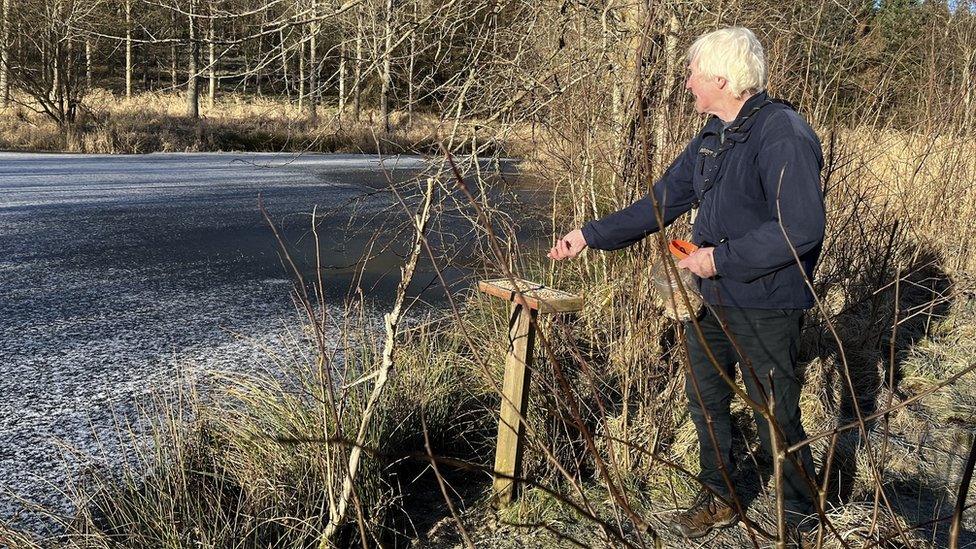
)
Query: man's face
[{"x": 707, "y": 90}]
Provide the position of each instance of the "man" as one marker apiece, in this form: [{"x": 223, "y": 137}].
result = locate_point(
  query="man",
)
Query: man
[{"x": 753, "y": 173}]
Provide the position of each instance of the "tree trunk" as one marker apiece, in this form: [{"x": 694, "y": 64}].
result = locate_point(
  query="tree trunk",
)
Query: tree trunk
[
  {"x": 247, "y": 73},
  {"x": 45, "y": 59},
  {"x": 69, "y": 84},
  {"x": 212, "y": 57},
  {"x": 313, "y": 82},
  {"x": 5, "y": 54},
  {"x": 387, "y": 61},
  {"x": 284, "y": 62},
  {"x": 54, "y": 93},
  {"x": 671, "y": 67},
  {"x": 631, "y": 93},
  {"x": 192, "y": 87},
  {"x": 128, "y": 48},
  {"x": 259, "y": 68},
  {"x": 144, "y": 69},
  {"x": 410, "y": 69},
  {"x": 88, "y": 62},
  {"x": 342, "y": 75},
  {"x": 358, "y": 65},
  {"x": 173, "y": 53},
  {"x": 301, "y": 72}
]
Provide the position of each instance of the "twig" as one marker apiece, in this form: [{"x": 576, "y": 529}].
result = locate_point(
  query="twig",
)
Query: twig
[
  {"x": 967, "y": 477},
  {"x": 778, "y": 457},
  {"x": 392, "y": 320}
]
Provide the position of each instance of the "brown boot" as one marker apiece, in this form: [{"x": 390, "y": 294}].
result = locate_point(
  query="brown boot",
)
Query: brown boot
[{"x": 705, "y": 514}]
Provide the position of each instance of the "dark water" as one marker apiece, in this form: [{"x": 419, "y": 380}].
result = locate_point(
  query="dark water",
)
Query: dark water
[{"x": 119, "y": 272}]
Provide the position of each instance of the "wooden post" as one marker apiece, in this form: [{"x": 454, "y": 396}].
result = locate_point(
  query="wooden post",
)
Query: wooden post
[
  {"x": 510, "y": 445},
  {"x": 515, "y": 403}
]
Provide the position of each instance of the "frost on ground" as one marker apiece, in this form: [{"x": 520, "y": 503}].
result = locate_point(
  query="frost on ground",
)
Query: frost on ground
[{"x": 117, "y": 271}]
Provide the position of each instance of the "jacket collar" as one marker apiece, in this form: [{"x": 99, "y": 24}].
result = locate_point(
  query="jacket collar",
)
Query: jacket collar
[{"x": 743, "y": 122}]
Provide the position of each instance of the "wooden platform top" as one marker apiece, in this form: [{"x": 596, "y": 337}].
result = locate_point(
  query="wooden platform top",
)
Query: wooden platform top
[{"x": 537, "y": 296}]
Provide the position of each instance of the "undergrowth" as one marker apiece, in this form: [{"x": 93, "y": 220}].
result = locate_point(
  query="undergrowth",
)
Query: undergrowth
[{"x": 156, "y": 122}]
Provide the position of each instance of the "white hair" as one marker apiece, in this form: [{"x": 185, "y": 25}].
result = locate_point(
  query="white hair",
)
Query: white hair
[{"x": 734, "y": 54}]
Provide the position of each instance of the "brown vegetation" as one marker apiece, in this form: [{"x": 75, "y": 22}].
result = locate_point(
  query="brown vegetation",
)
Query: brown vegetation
[{"x": 154, "y": 122}]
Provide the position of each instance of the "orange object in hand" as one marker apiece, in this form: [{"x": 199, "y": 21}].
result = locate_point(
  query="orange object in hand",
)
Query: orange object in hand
[{"x": 681, "y": 248}]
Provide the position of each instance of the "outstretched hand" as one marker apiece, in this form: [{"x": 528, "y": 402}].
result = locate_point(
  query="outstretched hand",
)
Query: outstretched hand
[{"x": 568, "y": 246}]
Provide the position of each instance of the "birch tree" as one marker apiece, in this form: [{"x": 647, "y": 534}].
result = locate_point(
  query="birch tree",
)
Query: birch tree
[
  {"x": 192, "y": 84},
  {"x": 5, "y": 54},
  {"x": 173, "y": 49},
  {"x": 301, "y": 70},
  {"x": 211, "y": 55},
  {"x": 357, "y": 71},
  {"x": 88, "y": 61},
  {"x": 128, "y": 47},
  {"x": 343, "y": 49}
]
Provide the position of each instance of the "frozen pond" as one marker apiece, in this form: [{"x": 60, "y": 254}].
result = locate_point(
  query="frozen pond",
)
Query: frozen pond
[{"x": 115, "y": 270}]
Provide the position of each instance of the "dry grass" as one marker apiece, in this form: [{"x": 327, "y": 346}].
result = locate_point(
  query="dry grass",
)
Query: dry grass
[{"x": 155, "y": 122}]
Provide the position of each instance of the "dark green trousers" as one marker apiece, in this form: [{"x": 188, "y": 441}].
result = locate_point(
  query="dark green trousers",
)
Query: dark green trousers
[{"x": 764, "y": 343}]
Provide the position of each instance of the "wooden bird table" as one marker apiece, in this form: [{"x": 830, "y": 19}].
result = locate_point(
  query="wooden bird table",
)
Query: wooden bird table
[{"x": 536, "y": 299}]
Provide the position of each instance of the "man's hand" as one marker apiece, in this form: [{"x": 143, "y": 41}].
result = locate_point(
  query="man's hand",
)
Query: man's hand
[
  {"x": 700, "y": 262},
  {"x": 568, "y": 246}
]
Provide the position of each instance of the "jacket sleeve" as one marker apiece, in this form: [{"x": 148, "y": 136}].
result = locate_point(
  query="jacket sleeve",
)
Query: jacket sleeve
[
  {"x": 789, "y": 170},
  {"x": 674, "y": 194}
]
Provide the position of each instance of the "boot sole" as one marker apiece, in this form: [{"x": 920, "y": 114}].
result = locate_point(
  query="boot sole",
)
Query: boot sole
[{"x": 677, "y": 529}]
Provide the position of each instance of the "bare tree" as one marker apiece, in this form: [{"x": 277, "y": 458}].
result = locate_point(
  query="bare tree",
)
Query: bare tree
[
  {"x": 301, "y": 70},
  {"x": 50, "y": 71},
  {"x": 343, "y": 50},
  {"x": 313, "y": 67},
  {"x": 285, "y": 67},
  {"x": 211, "y": 55},
  {"x": 192, "y": 83},
  {"x": 5, "y": 54},
  {"x": 671, "y": 71},
  {"x": 411, "y": 65},
  {"x": 88, "y": 61},
  {"x": 173, "y": 53},
  {"x": 128, "y": 48},
  {"x": 385, "y": 75},
  {"x": 357, "y": 73}
]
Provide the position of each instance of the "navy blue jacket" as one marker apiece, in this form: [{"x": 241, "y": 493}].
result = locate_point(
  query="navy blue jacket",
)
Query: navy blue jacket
[{"x": 763, "y": 178}]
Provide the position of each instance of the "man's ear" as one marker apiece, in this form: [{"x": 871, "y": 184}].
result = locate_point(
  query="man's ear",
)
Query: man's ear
[{"x": 721, "y": 82}]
